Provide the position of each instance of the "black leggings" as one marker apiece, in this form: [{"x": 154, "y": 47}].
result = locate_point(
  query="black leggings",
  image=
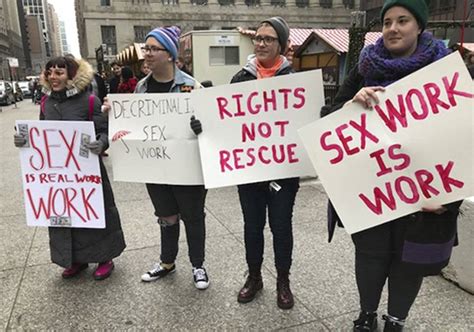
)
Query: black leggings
[
  {"x": 376, "y": 261},
  {"x": 371, "y": 273}
]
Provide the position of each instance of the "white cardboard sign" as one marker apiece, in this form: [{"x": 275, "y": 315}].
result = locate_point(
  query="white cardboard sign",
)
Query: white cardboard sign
[
  {"x": 61, "y": 178},
  {"x": 414, "y": 150},
  {"x": 151, "y": 140},
  {"x": 250, "y": 128}
]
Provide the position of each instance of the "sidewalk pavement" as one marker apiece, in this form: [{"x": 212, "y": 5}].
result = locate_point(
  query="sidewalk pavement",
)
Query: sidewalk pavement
[{"x": 35, "y": 297}]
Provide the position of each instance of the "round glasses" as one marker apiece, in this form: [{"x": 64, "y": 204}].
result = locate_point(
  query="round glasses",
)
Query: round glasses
[
  {"x": 267, "y": 40},
  {"x": 152, "y": 49}
]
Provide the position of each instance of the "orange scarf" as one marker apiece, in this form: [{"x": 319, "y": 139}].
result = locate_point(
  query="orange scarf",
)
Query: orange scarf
[{"x": 263, "y": 72}]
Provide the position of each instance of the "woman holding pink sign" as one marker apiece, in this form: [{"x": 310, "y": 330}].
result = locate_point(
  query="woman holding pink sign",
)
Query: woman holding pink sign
[
  {"x": 405, "y": 250},
  {"x": 65, "y": 82},
  {"x": 277, "y": 196}
]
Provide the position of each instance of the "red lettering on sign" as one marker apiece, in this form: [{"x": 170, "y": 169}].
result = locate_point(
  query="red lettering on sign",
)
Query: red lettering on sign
[{"x": 409, "y": 190}]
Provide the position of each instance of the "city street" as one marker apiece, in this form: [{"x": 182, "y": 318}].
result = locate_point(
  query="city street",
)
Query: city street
[{"x": 35, "y": 297}]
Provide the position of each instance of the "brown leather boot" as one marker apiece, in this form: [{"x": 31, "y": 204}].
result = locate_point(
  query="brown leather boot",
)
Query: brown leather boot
[
  {"x": 284, "y": 296},
  {"x": 252, "y": 286}
]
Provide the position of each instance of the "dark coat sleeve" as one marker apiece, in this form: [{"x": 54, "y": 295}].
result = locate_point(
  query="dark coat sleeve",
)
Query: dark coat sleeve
[
  {"x": 100, "y": 123},
  {"x": 351, "y": 85}
]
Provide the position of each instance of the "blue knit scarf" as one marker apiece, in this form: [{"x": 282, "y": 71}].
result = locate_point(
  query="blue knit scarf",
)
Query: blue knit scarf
[{"x": 378, "y": 67}]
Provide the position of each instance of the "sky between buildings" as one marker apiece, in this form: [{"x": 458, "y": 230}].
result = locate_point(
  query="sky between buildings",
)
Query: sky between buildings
[{"x": 66, "y": 13}]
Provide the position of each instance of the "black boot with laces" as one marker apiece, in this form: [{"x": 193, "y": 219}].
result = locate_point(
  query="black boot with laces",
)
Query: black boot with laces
[
  {"x": 367, "y": 322},
  {"x": 392, "y": 324}
]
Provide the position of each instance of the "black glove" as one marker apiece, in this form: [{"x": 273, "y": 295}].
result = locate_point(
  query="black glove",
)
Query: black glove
[
  {"x": 196, "y": 125},
  {"x": 19, "y": 140},
  {"x": 96, "y": 147}
]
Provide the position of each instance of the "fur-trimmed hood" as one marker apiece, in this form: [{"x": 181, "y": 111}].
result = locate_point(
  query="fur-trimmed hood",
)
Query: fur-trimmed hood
[{"x": 78, "y": 84}]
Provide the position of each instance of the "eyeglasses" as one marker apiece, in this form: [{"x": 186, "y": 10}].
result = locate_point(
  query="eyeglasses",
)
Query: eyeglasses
[
  {"x": 152, "y": 49},
  {"x": 267, "y": 40}
]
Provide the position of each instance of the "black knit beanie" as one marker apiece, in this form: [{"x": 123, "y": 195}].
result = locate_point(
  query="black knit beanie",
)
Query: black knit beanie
[
  {"x": 419, "y": 9},
  {"x": 282, "y": 30}
]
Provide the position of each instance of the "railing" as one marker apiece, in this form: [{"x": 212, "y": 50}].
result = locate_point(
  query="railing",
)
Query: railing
[{"x": 330, "y": 92}]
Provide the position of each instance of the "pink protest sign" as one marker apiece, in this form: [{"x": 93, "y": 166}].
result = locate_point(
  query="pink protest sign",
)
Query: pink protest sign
[
  {"x": 414, "y": 150},
  {"x": 250, "y": 129},
  {"x": 61, "y": 178}
]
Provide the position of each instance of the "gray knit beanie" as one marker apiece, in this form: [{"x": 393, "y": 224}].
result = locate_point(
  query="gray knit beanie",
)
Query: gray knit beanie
[{"x": 282, "y": 29}]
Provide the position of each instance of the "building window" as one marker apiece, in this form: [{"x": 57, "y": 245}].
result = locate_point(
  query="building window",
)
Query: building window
[
  {"x": 140, "y": 33},
  {"x": 325, "y": 3},
  {"x": 199, "y": 2},
  {"x": 447, "y": 4},
  {"x": 170, "y": 2},
  {"x": 348, "y": 4},
  {"x": 200, "y": 28},
  {"x": 223, "y": 55},
  {"x": 105, "y": 2},
  {"x": 302, "y": 3},
  {"x": 277, "y": 3},
  {"x": 252, "y": 3},
  {"x": 226, "y": 2},
  {"x": 109, "y": 38}
]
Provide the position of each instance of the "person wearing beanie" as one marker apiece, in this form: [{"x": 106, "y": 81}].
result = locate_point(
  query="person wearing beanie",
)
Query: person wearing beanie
[
  {"x": 278, "y": 196},
  {"x": 418, "y": 8},
  {"x": 173, "y": 202},
  {"x": 380, "y": 252}
]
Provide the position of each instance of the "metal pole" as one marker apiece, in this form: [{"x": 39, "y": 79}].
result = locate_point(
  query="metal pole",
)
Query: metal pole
[{"x": 11, "y": 80}]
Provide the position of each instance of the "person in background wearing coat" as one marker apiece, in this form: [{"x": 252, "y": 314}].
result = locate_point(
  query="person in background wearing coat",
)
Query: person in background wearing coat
[
  {"x": 405, "y": 250},
  {"x": 98, "y": 87},
  {"x": 66, "y": 81},
  {"x": 278, "y": 196},
  {"x": 182, "y": 66},
  {"x": 117, "y": 74},
  {"x": 128, "y": 82}
]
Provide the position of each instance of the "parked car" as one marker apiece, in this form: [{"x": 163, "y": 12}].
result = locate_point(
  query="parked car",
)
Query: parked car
[
  {"x": 25, "y": 88},
  {"x": 17, "y": 91},
  {"x": 6, "y": 93}
]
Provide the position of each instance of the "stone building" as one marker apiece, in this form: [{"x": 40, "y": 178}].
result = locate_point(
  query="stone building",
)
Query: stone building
[
  {"x": 64, "y": 42},
  {"x": 443, "y": 14},
  {"x": 54, "y": 31},
  {"x": 119, "y": 23},
  {"x": 38, "y": 53},
  {"x": 39, "y": 8},
  {"x": 4, "y": 43}
]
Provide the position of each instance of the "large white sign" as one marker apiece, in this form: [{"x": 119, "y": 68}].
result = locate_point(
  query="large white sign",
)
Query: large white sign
[
  {"x": 413, "y": 150},
  {"x": 250, "y": 129},
  {"x": 61, "y": 177},
  {"x": 151, "y": 139}
]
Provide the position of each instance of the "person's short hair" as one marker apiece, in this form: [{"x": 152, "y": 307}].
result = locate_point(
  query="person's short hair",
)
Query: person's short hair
[
  {"x": 116, "y": 63},
  {"x": 67, "y": 62},
  {"x": 127, "y": 73}
]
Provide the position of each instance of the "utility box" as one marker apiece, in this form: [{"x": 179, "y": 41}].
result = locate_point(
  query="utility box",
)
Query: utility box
[{"x": 215, "y": 55}]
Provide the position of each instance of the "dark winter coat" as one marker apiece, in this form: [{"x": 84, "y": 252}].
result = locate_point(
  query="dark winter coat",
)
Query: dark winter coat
[
  {"x": 82, "y": 245},
  {"x": 428, "y": 238}
]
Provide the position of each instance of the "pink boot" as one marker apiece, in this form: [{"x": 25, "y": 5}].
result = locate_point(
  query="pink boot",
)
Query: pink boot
[
  {"x": 73, "y": 270},
  {"x": 104, "y": 270}
]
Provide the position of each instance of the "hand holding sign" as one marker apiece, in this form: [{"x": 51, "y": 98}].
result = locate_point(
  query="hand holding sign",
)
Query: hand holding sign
[
  {"x": 367, "y": 96},
  {"x": 19, "y": 140}
]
